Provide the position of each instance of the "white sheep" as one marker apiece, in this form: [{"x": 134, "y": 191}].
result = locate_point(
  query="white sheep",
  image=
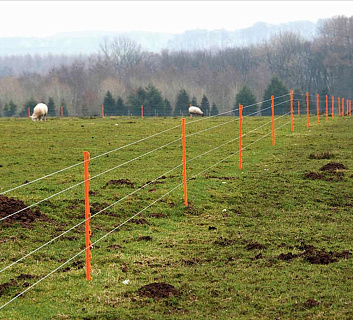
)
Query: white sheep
[
  {"x": 195, "y": 110},
  {"x": 40, "y": 111}
]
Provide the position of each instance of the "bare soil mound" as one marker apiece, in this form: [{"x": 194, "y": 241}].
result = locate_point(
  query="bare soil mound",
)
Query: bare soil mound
[
  {"x": 157, "y": 290},
  {"x": 315, "y": 256},
  {"x": 120, "y": 182},
  {"x": 25, "y": 218},
  {"x": 333, "y": 166}
]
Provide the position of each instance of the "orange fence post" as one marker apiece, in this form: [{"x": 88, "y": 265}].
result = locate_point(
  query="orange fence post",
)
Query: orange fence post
[
  {"x": 326, "y": 108},
  {"x": 141, "y": 110},
  {"x": 102, "y": 111},
  {"x": 339, "y": 106},
  {"x": 240, "y": 136},
  {"x": 342, "y": 107},
  {"x": 333, "y": 107},
  {"x": 347, "y": 103},
  {"x": 298, "y": 108},
  {"x": 307, "y": 109},
  {"x": 86, "y": 157},
  {"x": 29, "y": 112},
  {"x": 62, "y": 111},
  {"x": 291, "y": 110},
  {"x": 273, "y": 120},
  {"x": 184, "y": 162},
  {"x": 317, "y": 109}
]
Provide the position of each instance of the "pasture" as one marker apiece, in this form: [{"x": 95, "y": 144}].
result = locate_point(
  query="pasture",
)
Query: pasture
[{"x": 270, "y": 241}]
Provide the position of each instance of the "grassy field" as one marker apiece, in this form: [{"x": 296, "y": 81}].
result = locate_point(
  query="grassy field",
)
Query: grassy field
[{"x": 271, "y": 241}]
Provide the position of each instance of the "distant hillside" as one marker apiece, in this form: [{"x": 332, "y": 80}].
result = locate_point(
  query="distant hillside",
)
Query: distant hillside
[{"x": 87, "y": 42}]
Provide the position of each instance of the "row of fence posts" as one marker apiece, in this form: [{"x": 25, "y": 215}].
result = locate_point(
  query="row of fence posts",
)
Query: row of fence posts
[{"x": 185, "y": 196}]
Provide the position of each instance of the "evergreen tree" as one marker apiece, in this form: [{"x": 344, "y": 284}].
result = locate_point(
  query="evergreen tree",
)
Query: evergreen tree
[
  {"x": 194, "y": 101},
  {"x": 182, "y": 104},
  {"x": 136, "y": 100},
  {"x": 9, "y": 109},
  {"x": 214, "y": 110},
  {"x": 205, "y": 106},
  {"x": 153, "y": 103},
  {"x": 281, "y": 95},
  {"x": 168, "y": 108},
  {"x": 29, "y": 104},
  {"x": 247, "y": 99},
  {"x": 51, "y": 107},
  {"x": 120, "y": 106},
  {"x": 109, "y": 104}
]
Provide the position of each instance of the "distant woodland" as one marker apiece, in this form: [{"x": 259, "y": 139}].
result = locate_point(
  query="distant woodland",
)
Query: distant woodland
[{"x": 123, "y": 75}]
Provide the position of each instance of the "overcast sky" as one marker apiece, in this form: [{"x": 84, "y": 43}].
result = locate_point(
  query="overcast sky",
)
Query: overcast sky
[{"x": 44, "y": 18}]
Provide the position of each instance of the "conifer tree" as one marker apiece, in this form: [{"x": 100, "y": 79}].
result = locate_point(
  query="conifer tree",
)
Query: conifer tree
[
  {"x": 109, "y": 104},
  {"x": 194, "y": 101},
  {"x": 29, "y": 104},
  {"x": 154, "y": 103},
  {"x": 120, "y": 107},
  {"x": 247, "y": 99},
  {"x": 168, "y": 108},
  {"x": 281, "y": 95},
  {"x": 9, "y": 109},
  {"x": 136, "y": 100},
  {"x": 205, "y": 105},
  {"x": 214, "y": 110},
  {"x": 51, "y": 107},
  {"x": 182, "y": 104}
]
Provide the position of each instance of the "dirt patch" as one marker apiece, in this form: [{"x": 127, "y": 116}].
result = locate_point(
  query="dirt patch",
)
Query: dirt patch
[
  {"x": 331, "y": 171},
  {"x": 139, "y": 221},
  {"x": 255, "y": 246},
  {"x": 333, "y": 167},
  {"x": 310, "y": 303},
  {"x": 7, "y": 286},
  {"x": 25, "y": 218},
  {"x": 190, "y": 262},
  {"x": 313, "y": 176},
  {"x": 224, "y": 242},
  {"x": 287, "y": 256},
  {"x": 157, "y": 215},
  {"x": 120, "y": 182},
  {"x": 190, "y": 209},
  {"x": 315, "y": 256},
  {"x": 158, "y": 291},
  {"x": 144, "y": 238},
  {"x": 221, "y": 178}
]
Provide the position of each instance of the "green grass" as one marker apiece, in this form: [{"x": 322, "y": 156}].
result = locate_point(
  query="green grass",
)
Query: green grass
[{"x": 231, "y": 271}]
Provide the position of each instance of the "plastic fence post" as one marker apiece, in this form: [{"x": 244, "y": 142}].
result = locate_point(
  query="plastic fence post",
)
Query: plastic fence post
[
  {"x": 273, "y": 120},
  {"x": 102, "y": 111},
  {"x": 317, "y": 108},
  {"x": 333, "y": 107},
  {"x": 86, "y": 157},
  {"x": 339, "y": 106},
  {"x": 184, "y": 162},
  {"x": 342, "y": 107},
  {"x": 326, "y": 108},
  {"x": 307, "y": 109},
  {"x": 298, "y": 108},
  {"x": 29, "y": 112},
  {"x": 141, "y": 110},
  {"x": 240, "y": 136},
  {"x": 347, "y": 103},
  {"x": 291, "y": 111}
]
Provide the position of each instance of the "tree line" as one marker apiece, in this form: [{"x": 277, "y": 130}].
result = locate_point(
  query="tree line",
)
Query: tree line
[{"x": 161, "y": 81}]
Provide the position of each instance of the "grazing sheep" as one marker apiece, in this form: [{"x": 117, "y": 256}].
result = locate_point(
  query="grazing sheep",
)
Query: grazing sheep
[
  {"x": 40, "y": 111},
  {"x": 195, "y": 110}
]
